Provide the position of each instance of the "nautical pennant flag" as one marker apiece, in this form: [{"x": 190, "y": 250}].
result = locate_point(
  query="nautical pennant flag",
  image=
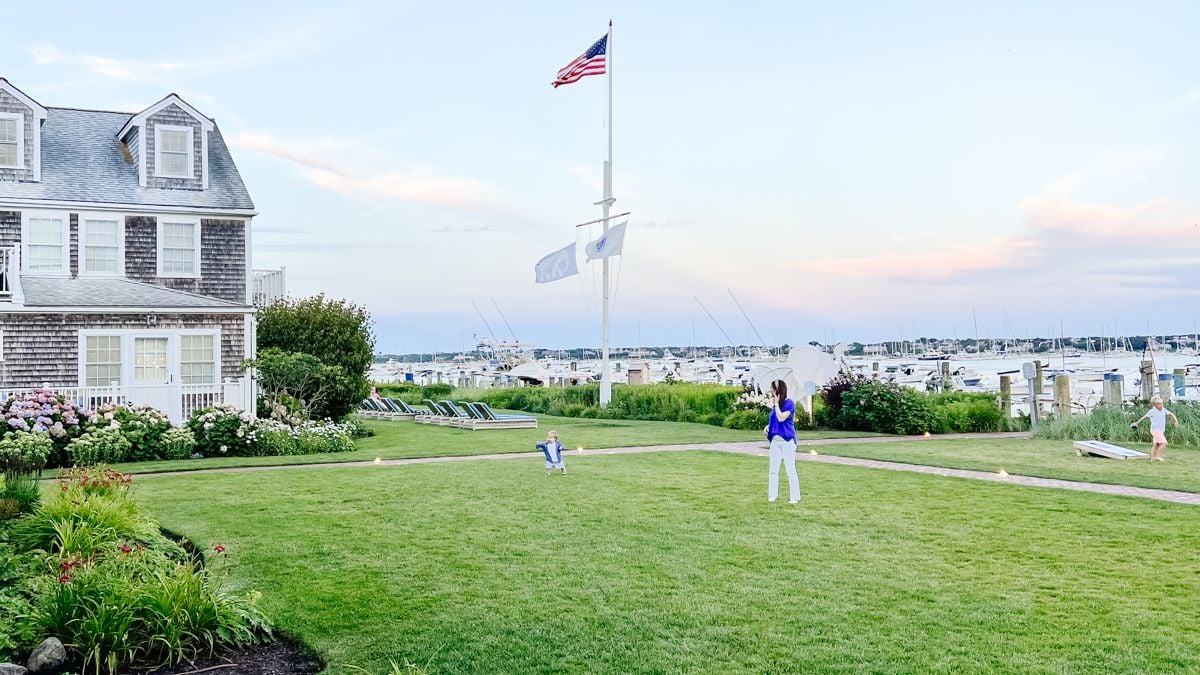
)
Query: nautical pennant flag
[
  {"x": 557, "y": 265},
  {"x": 608, "y": 245},
  {"x": 590, "y": 62}
]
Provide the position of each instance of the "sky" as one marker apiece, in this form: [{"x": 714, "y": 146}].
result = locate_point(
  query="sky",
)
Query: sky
[{"x": 845, "y": 171}]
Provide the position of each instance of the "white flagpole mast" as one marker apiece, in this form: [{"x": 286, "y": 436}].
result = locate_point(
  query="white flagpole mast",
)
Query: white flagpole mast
[{"x": 606, "y": 204}]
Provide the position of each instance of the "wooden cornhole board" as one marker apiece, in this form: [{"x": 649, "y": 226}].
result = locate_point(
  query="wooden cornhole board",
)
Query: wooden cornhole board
[{"x": 1102, "y": 449}]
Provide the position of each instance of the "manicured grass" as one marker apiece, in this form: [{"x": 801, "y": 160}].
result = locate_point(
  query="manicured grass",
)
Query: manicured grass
[
  {"x": 675, "y": 562},
  {"x": 1035, "y": 457},
  {"x": 401, "y": 440}
]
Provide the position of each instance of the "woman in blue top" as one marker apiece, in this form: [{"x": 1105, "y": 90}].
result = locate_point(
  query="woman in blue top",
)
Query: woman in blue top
[{"x": 781, "y": 432}]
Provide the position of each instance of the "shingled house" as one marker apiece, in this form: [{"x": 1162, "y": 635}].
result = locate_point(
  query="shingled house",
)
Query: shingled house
[{"x": 125, "y": 256}]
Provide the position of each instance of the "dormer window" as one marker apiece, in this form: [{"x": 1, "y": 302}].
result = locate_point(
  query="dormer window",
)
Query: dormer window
[
  {"x": 12, "y": 140},
  {"x": 173, "y": 151}
]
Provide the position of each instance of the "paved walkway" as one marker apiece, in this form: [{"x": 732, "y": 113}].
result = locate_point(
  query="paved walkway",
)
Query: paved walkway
[{"x": 759, "y": 448}]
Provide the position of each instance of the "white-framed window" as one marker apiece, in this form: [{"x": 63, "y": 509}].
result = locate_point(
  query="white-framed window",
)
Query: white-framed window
[
  {"x": 101, "y": 360},
  {"x": 178, "y": 247},
  {"x": 101, "y": 244},
  {"x": 45, "y": 243},
  {"x": 12, "y": 140},
  {"x": 198, "y": 357},
  {"x": 149, "y": 357},
  {"x": 173, "y": 151}
]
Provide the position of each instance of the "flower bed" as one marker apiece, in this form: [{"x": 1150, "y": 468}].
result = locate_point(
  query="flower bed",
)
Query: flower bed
[{"x": 91, "y": 568}]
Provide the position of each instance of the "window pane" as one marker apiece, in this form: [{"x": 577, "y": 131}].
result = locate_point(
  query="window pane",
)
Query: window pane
[
  {"x": 174, "y": 141},
  {"x": 196, "y": 359},
  {"x": 45, "y": 245},
  {"x": 150, "y": 359},
  {"x": 101, "y": 246},
  {"x": 179, "y": 248},
  {"x": 175, "y": 164},
  {"x": 8, "y": 131},
  {"x": 102, "y": 363},
  {"x": 8, "y": 154}
]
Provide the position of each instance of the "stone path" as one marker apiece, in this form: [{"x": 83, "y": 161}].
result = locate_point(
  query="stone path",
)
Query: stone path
[{"x": 759, "y": 448}]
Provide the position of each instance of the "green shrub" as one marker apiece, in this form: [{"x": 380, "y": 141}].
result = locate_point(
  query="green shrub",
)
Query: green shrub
[
  {"x": 44, "y": 411},
  {"x": 177, "y": 443},
  {"x": 24, "y": 454},
  {"x": 663, "y": 402},
  {"x": 104, "y": 445},
  {"x": 962, "y": 412},
  {"x": 883, "y": 407},
  {"x": 337, "y": 333},
  {"x": 224, "y": 430},
  {"x": 436, "y": 392},
  {"x": 143, "y": 426},
  {"x": 17, "y": 633},
  {"x": 747, "y": 419}
]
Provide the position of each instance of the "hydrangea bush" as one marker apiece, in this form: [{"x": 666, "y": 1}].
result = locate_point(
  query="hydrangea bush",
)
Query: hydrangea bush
[
  {"x": 103, "y": 445},
  {"x": 43, "y": 411},
  {"x": 225, "y": 431},
  {"x": 142, "y": 425}
]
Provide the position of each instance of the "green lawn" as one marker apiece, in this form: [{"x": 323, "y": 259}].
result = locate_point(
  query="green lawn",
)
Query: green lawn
[
  {"x": 1035, "y": 457},
  {"x": 401, "y": 440},
  {"x": 675, "y": 562}
]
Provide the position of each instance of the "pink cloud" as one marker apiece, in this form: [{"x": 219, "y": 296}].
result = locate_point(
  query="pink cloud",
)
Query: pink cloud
[
  {"x": 1057, "y": 210},
  {"x": 418, "y": 185},
  {"x": 927, "y": 265}
]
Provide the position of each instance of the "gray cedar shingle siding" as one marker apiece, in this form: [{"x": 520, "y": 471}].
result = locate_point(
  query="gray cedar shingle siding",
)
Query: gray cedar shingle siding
[
  {"x": 74, "y": 235},
  {"x": 141, "y": 252},
  {"x": 42, "y": 348},
  {"x": 174, "y": 115},
  {"x": 10, "y": 104},
  {"x": 10, "y": 228},
  {"x": 132, "y": 145},
  {"x": 222, "y": 257}
]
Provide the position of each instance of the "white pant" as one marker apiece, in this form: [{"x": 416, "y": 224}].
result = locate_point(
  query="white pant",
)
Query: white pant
[{"x": 783, "y": 451}]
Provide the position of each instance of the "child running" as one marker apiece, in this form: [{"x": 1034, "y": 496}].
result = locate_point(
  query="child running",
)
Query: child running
[
  {"x": 1157, "y": 415},
  {"x": 554, "y": 453}
]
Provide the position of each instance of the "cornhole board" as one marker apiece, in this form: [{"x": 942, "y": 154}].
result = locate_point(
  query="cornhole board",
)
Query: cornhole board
[{"x": 1102, "y": 449}]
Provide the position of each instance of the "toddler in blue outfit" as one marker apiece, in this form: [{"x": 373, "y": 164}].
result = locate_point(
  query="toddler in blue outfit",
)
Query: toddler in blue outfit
[{"x": 554, "y": 453}]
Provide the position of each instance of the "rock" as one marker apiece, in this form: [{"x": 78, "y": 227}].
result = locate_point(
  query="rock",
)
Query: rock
[
  {"x": 47, "y": 657},
  {"x": 12, "y": 669}
]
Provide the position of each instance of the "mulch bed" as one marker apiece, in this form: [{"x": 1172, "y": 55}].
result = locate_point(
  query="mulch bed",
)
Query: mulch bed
[{"x": 284, "y": 656}]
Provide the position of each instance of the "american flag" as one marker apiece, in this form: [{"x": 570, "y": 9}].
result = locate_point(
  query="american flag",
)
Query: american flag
[{"x": 590, "y": 62}]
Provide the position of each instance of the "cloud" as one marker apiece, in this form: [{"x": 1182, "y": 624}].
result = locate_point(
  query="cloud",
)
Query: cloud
[
  {"x": 464, "y": 228},
  {"x": 350, "y": 177},
  {"x": 1065, "y": 241}
]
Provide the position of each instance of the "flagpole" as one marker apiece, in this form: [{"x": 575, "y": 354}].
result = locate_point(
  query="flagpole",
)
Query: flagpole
[{"x": 606, "y": 204}]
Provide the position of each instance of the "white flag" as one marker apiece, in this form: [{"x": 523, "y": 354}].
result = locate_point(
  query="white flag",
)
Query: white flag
[
  {"x": 608, "y": 245},
  {"x": 557, "y": 265}
]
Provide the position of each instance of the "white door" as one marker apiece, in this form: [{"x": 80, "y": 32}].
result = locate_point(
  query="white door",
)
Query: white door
[
  {"x": 153, "y": 380},
  {"x": 150, "y": 361}
]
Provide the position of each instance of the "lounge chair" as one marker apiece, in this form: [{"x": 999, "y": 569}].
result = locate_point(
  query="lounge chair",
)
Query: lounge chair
[
  {"x": 438, "y": 414},
  {"x": 493, "y": 420},
  {"x": 406, "y": 407},
  {"x": 397, "y": 411},
  {"x": 381, "y": 410},
  {"x": 370, "y": 408}
]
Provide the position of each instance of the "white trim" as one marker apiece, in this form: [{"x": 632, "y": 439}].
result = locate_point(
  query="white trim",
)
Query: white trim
[
  {"x": 66, "y": 239},
  {"x": 174, "y": 351},
  {"x": 84, "y": 216},
  {"x": 140, "y": 118},
  {"x": 142, "y": 155},
  {"x": 17, "y": 204},
  {"x": 20, "y": 119},
  {"x": 74, "y": 309},
  {"x": 204, "y": 158},
  {"x": 39, "y": 112},
  {"x": 37, "y": 150},
  {"x": 191, "y": 151},
  {"x": 249, "y": 262},
  {"x": 159, "y": 246}
]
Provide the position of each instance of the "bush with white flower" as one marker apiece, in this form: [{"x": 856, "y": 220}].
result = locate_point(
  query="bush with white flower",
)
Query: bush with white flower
[
  {"x": 305, "y": 438},
  {"x": 102, "y": 445},
  {"x": 225, "y": 431},
  {"x": 142, "y": 425}
]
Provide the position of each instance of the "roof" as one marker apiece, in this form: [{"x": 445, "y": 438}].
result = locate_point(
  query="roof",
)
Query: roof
[
  {"x": 112, "y": 292},
  {"x": 82, "y": 160}
]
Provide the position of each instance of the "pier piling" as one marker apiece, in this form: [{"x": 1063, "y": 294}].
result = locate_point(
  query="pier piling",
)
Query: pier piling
[
  {"x": 1062, "y": 393},
  {"x": 1006, "y": 395}
]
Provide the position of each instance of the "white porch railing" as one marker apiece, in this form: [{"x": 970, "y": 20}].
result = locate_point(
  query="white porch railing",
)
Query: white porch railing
[
  {"x": 269, "y": 286},
  {"x": 10, "y": 275},
  {"x": 178, "y": 401}
]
